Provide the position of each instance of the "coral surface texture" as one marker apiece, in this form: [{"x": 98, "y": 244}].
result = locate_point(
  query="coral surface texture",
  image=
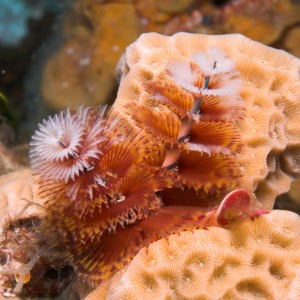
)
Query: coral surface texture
[{"x": 252, "y": 260}]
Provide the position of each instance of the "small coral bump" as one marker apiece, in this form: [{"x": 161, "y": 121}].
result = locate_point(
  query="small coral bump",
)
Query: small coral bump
[{"x": 67, "y": 144}]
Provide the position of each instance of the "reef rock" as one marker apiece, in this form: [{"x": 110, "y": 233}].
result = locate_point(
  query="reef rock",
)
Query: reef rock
[{"x": 82, "y": 71}]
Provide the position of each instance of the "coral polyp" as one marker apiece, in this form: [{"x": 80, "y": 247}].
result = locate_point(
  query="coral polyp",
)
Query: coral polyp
[{"x": 168, "y": 155}]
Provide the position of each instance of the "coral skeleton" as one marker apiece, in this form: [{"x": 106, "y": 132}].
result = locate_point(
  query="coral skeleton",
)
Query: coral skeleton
[
  {"x": 247, "y": 260},
  {"x": 199, "y": 136}
]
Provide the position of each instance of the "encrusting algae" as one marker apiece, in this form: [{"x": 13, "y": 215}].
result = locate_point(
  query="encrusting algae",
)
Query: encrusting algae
[{"x": 203, "y": 133}]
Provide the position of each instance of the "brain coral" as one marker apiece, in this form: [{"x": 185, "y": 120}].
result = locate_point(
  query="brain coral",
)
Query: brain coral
[
  {"x": 257, "y": 259},
  {"x": 269, "y": 87},
  {"x": 195, "y": 118}
]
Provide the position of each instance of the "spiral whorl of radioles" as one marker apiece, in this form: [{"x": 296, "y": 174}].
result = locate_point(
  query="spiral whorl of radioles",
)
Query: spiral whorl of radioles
[{"x": 67, "y": 144}]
